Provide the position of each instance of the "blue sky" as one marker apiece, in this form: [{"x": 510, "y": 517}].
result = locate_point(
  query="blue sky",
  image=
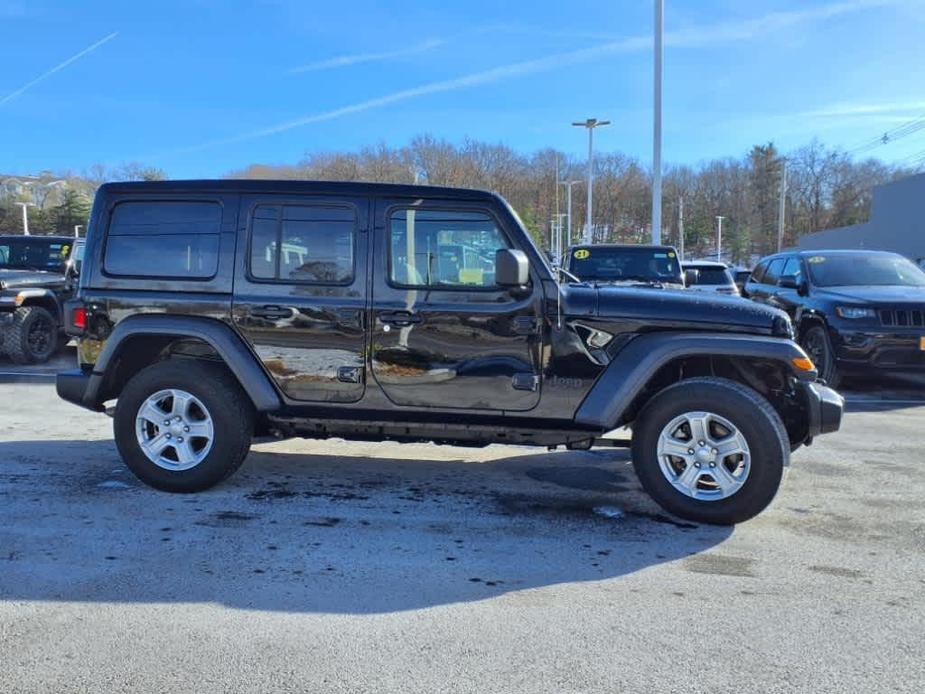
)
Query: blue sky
[{"x": 202, "y": 87}]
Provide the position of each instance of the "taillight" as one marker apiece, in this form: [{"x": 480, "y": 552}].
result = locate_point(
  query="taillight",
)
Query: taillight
[{"x": 79, "y": 318}]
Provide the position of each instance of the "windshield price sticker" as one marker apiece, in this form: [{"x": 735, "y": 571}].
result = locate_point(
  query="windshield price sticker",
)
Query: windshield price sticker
[
  {"x": 817, "y": 259},
  {"x": 582, "y": 254}
]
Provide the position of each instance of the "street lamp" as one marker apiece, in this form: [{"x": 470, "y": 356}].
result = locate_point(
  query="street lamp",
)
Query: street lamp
[
  {"x": 657, "y": 129},
  {"x": 590, "y": 124},
  {"x": 25, "y": 216},
  {"x": 568, "y": 208},
  {"x": 719, "y": 238}
]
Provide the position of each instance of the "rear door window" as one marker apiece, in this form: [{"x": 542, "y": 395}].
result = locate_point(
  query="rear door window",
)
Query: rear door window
[
  {"x": 311, "y": 244},
  {"x": 165, "y": 239},
  {"x": 774, "y": 271},
  {"x": 758, "y": 272}
]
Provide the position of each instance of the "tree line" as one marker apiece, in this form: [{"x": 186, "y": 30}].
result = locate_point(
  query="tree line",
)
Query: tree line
[
  {"x": 825, "y": 188},
  {"x": 60, "y": 202}
]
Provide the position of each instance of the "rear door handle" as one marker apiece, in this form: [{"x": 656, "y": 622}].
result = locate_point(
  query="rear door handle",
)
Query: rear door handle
[
  {"x": 272, "y": 312},
  {"x": 399, "y": 318}
]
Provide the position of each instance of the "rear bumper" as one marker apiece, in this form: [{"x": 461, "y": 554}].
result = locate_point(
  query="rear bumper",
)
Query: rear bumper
[
  {"x": 74, "y": 386},
  {"x": 824, "y": 408}
]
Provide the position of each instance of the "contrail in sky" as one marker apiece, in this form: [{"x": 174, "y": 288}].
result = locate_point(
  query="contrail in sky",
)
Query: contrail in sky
[
  {"x": 690, "y": 37},
  {"x": 358, "y": 58},
  {"x": 77, "y": 56}
]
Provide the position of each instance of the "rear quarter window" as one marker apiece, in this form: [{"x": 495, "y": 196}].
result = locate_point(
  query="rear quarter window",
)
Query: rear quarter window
[{"x": 164, "y": 239}]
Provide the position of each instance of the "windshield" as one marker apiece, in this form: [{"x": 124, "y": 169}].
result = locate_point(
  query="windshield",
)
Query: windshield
[
  {"x": 864, "y": 270},
  {"x": 33, "y": 253},
  {"x": 709, "y": 274},
  {"x": 596, "y": 263}
]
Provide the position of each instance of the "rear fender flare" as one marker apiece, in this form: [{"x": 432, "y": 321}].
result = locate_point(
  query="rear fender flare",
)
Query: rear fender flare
[{"x": 227, "y": 344}]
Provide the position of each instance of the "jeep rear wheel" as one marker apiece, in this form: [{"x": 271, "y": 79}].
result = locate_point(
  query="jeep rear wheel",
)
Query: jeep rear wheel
[
  {"x": 710, "y": 450},
  {"x": 32, "y": 338},
  {"x": 183, "y": 425}
]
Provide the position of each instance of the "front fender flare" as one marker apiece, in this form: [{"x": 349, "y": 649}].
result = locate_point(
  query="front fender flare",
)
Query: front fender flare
[
  {"x": 633, "y": 367},
  {"x": 227, "y": 344}
]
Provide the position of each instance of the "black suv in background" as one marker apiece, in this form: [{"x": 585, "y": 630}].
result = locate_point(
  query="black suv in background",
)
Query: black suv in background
[
  {"x": 625, "y": 264},
  {"x": 37, "y": 274},
  {"x": 852, "y": 310},
  {"x": 213, "y": 311}
]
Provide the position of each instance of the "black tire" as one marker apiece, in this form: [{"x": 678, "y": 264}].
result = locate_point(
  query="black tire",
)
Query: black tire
[
  {"x": 232, "y": 416},
  {"x": 748, "y": 411},
  {"x": 815, "y": 340},
  {"x": 33, "y": 336}
]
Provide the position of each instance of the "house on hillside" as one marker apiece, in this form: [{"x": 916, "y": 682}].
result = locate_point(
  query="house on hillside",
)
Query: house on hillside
[{"x": 897, "y": 223}]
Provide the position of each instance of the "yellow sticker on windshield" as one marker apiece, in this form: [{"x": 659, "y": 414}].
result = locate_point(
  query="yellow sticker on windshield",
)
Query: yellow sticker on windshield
[
  {"x": 582, "y": 253},
  {"x": 817, "y": 259},
  {"x": 670, "y": 254}
]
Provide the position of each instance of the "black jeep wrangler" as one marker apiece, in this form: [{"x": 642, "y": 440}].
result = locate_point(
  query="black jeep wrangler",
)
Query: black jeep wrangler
[
  {"x": 215, "y": 311},
  {"x": 37, "y": 274}
]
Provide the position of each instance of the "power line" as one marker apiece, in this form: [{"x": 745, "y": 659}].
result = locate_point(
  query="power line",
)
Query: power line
[{"x": 900, "y": 131}]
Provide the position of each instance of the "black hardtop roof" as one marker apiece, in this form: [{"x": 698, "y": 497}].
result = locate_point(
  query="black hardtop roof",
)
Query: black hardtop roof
[
  {"x": 228, "y": 185},
  {"x": 46, "y": 237},
  {"x": 620, "y": 246}
]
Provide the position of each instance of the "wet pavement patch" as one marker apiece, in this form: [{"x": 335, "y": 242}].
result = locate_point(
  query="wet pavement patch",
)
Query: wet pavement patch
[
  {"x": 592, "y": 479},
  {"x": 323, "y": 522}
]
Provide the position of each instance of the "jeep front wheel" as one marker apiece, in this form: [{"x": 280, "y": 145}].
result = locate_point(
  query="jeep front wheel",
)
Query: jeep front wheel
[
  {"x": 183, "y": 425},
  {"x": 32, "y": 338},
  {"x": 710, "y": 450}
]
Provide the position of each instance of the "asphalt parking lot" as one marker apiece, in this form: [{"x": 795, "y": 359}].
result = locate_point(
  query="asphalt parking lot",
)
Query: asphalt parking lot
[{"x": 336, "y": 567}]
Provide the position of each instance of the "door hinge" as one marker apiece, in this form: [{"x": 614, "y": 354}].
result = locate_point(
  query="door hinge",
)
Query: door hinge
[
  {"x": 525, "y": 382},
  {"x": 349, "y": 374}
]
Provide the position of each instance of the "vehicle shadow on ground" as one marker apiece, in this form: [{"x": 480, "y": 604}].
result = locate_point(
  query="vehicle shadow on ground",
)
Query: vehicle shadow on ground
[
  {"x": 334, "y": 531},
  {"x": 882, "y": 392}
]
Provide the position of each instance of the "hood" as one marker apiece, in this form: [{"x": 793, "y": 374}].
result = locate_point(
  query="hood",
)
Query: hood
[
  {"x": 872, "y": 294},
  {"x": 680, "y": 308},
  {"x": 19, "y": 279}
]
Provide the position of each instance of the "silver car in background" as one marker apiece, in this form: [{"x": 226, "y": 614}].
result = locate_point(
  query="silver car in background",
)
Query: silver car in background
[{"x": 709, "y": 276}]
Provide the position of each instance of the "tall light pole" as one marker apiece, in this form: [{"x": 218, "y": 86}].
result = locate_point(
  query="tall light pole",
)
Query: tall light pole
[
  {"x": 719, "y": 238},
  {"x": 25, "y": 216},
  {"x": 568, "y": 208},
  {"x": 783, "y": 204},
  {"x": 681, "y": 229},
  {"x": 590, "y": 124},
  {"x": 657, "y": 128},
  {"x": 77, "y": 228}
]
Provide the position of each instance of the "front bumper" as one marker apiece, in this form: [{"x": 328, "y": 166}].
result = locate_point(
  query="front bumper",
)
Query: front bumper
[
  {"x": 888, "y": 349},
  {"x": 824, "y": 408}
]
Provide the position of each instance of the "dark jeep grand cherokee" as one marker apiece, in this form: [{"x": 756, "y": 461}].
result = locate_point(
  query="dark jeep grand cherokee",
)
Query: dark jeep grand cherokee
[
  {"x": 853, "y": 310},
  {"x": 214, "y": 311}
]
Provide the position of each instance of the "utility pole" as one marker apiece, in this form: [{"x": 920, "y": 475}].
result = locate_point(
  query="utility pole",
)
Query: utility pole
[
  {"x": 657, "y": 128},
  {"x": 568, "y": 208},
  {"x": 559, "y": 248},
  {"x": 25, "y": 216},
  {"x": 681, "y": 229},
  {"x": 783, "y": 204},
  {"x": 719, "y": 238},
  {"x": 590, "y": 124}
]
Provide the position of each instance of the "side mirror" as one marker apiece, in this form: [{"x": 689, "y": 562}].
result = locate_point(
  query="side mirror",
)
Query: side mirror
[
  {"x": 512, "y": 269},
  {"x": 789, "y": 282},
  {"x": 690, "y": 277}
]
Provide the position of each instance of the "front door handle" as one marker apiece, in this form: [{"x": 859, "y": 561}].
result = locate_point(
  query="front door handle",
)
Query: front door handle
[
  {"x": 399, "y": 318},
  {"x": 271, "y": 312}
]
